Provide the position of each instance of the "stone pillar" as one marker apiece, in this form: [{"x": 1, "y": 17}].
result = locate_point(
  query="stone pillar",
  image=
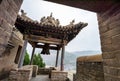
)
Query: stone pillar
[
  {"x": 22, "y": 54},
  {"x": 31, "y": 61},
  {"x": 62, "y": 58},
  {"x": 109, "y": 26},
  {"x": 57, "y": 56}
]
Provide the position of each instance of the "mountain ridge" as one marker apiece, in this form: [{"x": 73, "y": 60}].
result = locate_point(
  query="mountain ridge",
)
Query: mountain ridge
[{"x": 69, "y": 59}]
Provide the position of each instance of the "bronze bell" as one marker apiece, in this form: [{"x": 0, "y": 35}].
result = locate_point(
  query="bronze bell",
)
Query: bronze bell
[{"x": 45, "y": 49}]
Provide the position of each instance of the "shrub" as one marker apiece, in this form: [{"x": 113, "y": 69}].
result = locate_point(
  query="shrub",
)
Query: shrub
[
  {"x": 37, "y": 60},
  {"x": 26, "y": 59}
]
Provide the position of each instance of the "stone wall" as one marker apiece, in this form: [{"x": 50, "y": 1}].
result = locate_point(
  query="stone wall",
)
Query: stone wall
[
  {"x": 22, "y": 74},
  {"x": 89, "y": 68},
  {"x": 8, "y": 58},
  {"x": 8, "y": 43},
  {"x": 58, "y": 75},
  {"x": 43, "y": 71},
  {"x": 109, "y": 26}
]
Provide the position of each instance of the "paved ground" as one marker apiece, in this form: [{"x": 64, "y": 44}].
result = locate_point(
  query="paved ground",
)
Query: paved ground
[
  {"x": 4, "y": 80},
  {"x": 41, "y": 78},
  {"x": 45, "y": 77}
]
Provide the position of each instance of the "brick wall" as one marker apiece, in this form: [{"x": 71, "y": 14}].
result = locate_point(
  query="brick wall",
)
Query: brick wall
[
  {"x": 109, "y": 26},
  {"x": 89, "y": 69},
  {"x": 8, "y": 13}
]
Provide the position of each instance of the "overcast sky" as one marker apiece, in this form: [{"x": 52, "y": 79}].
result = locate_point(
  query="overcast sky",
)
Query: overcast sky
[{"x": 87, "y": 39}]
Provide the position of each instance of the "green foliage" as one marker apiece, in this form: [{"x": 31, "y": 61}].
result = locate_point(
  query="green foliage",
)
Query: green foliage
[
  {"x": 26, "y": 59},
  {"x": 37, "y": 60}
]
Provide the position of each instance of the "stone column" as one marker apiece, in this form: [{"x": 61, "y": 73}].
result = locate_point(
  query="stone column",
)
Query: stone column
[
  {"x": 32, "y": 55},
  {"x": 57, "y": 58},
  {"x": 62, "y": 58},
  {"x": 22, "y": 54}
]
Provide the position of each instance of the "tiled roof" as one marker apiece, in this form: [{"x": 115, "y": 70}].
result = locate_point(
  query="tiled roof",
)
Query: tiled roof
[{"x": 48, "y": 27}]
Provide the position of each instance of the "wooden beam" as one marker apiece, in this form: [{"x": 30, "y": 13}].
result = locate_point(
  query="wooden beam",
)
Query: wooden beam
[
  {"x": 51, "y": 47},
  {"x": 22, "y": 54},
  {"x": 31, "y": 61},
  {"x": 56, "y": 64},
  {"x": 32, "y": 43},
  {"x": 62, "y": 58},
  {"x": 43, "y": 39}
]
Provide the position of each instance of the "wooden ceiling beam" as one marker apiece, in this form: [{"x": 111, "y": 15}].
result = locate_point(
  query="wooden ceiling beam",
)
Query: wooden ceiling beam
[
  {"x": 41, "y": 39},
  {"x": 51, "y": 47}
]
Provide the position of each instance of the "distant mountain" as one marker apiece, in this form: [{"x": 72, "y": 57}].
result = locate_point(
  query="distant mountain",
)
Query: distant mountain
[{"x": 69, "y": 59}]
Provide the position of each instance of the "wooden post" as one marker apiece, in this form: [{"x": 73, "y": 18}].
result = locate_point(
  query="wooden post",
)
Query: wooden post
[
  {"x": 57, "y": 58},
  {"x": 62, "y": 58},
  {"x": 22, "y": 54},
  {"x": 31, "y": 61}
]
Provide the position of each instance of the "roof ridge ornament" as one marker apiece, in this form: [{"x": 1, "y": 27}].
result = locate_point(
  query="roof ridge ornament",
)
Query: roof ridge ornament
[
  {"x": 49, "y": 20},
  {"x": 23, "y": 13},
  {"x": 51, "y": 14},
  {"x": 72, "y": 22}
]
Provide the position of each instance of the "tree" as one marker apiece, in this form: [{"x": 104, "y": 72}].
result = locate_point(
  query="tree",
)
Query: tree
[
  {"x": 26, "y": 59},
  {"x": 37, "y": 60}
]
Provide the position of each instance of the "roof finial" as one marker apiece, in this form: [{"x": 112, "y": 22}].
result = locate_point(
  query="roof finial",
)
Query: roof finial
[
  {"x": 23, "y": 13},
  {"x": 72, "y": 22},
  {"x": 51, "y": 14}
]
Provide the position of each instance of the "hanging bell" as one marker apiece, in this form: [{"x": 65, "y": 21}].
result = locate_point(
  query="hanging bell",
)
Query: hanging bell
[{"x": 45, "y": 49}]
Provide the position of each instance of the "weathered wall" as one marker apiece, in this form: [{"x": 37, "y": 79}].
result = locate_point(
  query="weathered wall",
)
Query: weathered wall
[
  {"x": 43, "y": 71},
  {"x": 8, "y": 58},
  {"x": 21, "y": 74},
  {"x": 89, "y": 69},
  {"x": 8, "y": 13},
  {"x": 109, "y": 25},
  {"x": 58, "y": 75}
]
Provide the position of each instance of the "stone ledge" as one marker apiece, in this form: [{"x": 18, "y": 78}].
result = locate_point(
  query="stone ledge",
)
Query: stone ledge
[
  {"x": 94, "y": 58},
  {"x": 23, "y": 74},
  {"x": 58, "y": 75}
]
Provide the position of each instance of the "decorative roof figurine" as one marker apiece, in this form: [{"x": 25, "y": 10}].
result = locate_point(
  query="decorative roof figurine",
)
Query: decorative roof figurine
[
  {"x": 49, "y": 21},
  {"x": 23, "y": 13}
]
